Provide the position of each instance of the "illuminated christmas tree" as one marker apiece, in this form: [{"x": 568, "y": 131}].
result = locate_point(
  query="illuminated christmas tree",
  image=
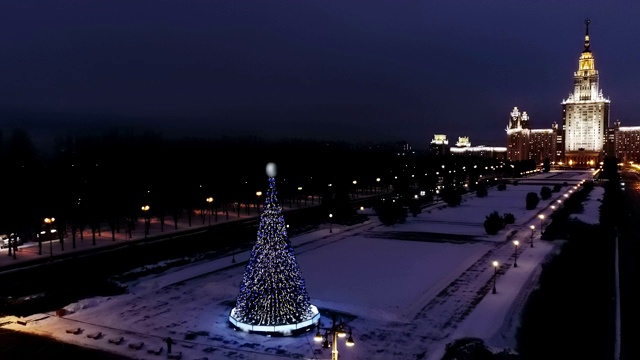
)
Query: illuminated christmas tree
[{"x": 273, "y": 297}]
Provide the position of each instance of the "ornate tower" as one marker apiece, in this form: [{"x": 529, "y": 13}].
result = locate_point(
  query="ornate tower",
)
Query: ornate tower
[
  {"x": 585, "y": 114},
  {"x": 518, "y": 133}
]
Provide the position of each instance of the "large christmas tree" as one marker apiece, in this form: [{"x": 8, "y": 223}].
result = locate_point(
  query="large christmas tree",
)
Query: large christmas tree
[{"x": 273, "y": 292}]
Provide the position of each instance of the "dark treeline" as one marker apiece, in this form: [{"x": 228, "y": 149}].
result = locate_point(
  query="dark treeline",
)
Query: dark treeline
[
  {"x": 91, "y": 179},
  {"x": 570, "y": 315},
  {"x": 100, "y": 182}
]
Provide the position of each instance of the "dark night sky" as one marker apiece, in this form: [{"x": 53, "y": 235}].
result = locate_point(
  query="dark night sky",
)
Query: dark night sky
[{"x": 336, "y": 70}]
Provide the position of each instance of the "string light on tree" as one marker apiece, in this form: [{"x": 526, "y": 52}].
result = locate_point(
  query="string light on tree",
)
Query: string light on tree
[{"x": 273, "y": 298}]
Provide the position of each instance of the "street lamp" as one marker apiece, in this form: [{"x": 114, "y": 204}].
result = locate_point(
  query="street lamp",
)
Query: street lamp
[
  {"x": 336, "y": 330},
  {"x": 330, "y": 229},
  {"x": 49, "y": 222},
  {"x": 210, "y": 200},
  {"x": 355, "y": 190},
  {"x": 145, "y": 210},
  {"x": 533, "y": 227},
  {"x": 495, "y": 273},
  {"x": 258, "y": 194},
  {"x": 541, "y": 217},
  {"x": 13, "y": 244},
  {"x": 515, "y": 262}
]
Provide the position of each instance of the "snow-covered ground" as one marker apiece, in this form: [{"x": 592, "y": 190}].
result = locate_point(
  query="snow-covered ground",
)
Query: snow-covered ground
[{"x": 405, "y": 290}]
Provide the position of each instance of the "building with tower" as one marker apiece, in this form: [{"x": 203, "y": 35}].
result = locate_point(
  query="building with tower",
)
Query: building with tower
[
  {"x": 518, "y": 136},
  {"x": 585, "y": 114},
  {"x": 525, "y": 143},
  {"x": 585, "y": 138}
]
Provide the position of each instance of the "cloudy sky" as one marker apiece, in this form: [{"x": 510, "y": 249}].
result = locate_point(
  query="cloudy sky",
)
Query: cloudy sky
[{"x": 338, "y": 70}]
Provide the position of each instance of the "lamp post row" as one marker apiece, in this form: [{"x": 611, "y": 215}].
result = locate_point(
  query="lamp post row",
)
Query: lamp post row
[
  {"x": 516, "y": 243},
  {"x": 145, "y": 209}
]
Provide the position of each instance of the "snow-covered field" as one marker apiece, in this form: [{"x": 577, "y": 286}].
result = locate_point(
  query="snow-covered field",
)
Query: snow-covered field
[{"x": 405, "y": 290}]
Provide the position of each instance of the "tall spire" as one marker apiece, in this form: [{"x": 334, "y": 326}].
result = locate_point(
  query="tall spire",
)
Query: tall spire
[{"x": 586, "y": 36}]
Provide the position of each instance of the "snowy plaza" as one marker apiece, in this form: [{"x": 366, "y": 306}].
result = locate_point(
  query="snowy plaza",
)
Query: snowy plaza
[{"x": 405, "y": 290}]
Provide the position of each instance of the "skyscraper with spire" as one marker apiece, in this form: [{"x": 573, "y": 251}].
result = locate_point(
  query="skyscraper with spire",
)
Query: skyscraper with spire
[
  {"x": 586, "y": 137},
  {"x": 585, "y": 114}
]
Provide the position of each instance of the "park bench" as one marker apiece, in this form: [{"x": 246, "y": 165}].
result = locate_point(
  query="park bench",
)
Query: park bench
[
  {"x": 136, "y": 345},
  {"x": 95, "y": 335},
  {"x": 74, "y": 331},
  {"x": 155, "y": 351},
  {"x": 117, "y": 340}
]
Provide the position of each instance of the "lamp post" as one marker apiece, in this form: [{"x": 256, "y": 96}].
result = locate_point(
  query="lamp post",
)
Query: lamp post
[
  {"x": 495, "y": 273},
  {"x": 330, "y": 229},
  {"x": 210, "y": 200},
  {"x": 40, "y": 241},
  {"x": 378, "y": 181},
  {"x": 13, "y": 244},
  {"x": 533, "y": 227},
  {"x": 355, "y": 190},
  {"x": 258, "y": 194},
  {"x": 145, "y": 211},
  {"x": 49, "y": 222},
  {"x": 515, "y": 262},
  {"x": 541, "y": 217},
  {"x": 336, "y": 331}
]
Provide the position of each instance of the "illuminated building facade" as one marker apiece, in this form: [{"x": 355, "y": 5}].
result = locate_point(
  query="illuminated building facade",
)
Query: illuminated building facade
[
  {"x": 585, "y": 114},
  {"x": 625, "y": 142},
  {"x": 463, "y": 147},
  {"x": 524, "y": 143},
  {"x": 518, "y": 136},
  {"x": 543, "y": 144},
  {"x": 439, "y": 145}
]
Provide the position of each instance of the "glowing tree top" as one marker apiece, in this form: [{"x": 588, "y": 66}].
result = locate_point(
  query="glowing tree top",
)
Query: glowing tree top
[{"x": 272, "y": 292}]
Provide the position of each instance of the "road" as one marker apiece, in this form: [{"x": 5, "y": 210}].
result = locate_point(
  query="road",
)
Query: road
[{"x": 629, "y": 270}]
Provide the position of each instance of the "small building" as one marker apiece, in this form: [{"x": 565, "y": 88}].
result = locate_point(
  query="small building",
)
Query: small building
[
  {"x": 463, "y": 147},
  {"x": 439, "y": 145}
]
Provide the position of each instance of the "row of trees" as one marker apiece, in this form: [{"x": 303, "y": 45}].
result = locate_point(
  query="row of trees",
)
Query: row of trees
[
  {"x": 91, "y": 180},
  {"x": 569, "y": 278},
  {"x": 450, "y": 179}
]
